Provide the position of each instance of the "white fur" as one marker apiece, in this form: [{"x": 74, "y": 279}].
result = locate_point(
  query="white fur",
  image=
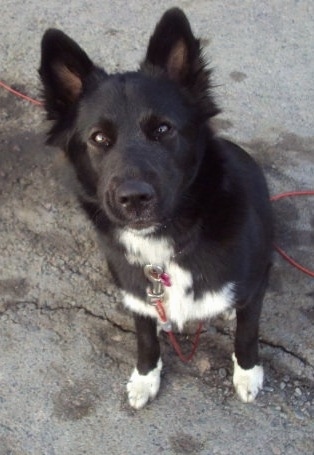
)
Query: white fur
[
  {"x": 180, "y": 306},
  {"x": 142, "y": 388},
  {"x": 138, "y": 306},
  {"x": 247, "y": 382},
  {"x": 143, "y": 249},
  {"x": 229, "y": 314}
]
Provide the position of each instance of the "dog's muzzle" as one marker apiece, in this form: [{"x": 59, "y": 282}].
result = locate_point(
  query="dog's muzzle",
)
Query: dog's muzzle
[{"x": 134, "y": 203}]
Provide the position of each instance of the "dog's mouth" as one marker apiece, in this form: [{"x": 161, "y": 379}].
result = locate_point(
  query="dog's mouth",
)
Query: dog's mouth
[
  {"x": 133, "y": 221},
  {"x": 142, "y": 224}
]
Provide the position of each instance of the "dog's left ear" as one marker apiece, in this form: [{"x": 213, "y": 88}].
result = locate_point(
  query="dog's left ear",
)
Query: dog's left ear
[
  {"x": 63, "y": 70},
  {"x": 175, "y": 51}
]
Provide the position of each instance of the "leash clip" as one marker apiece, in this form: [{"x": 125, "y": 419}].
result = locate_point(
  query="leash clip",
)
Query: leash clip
[
  {"x": 159, "y": 279},
  {"x": 154, "y": 273},
  {"x": 155, "y": 295}
]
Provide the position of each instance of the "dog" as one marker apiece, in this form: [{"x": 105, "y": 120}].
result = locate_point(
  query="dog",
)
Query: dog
[{"x": 168, "y": 197}]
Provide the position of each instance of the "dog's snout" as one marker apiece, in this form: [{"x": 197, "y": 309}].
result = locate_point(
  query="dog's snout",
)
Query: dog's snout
[{"x": 133, "y": 193}]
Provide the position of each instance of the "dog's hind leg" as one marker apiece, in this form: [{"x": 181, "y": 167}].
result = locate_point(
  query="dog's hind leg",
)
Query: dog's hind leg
[
  {"x": 145, "y": 380},
  {"x": 248, "y": 374}
]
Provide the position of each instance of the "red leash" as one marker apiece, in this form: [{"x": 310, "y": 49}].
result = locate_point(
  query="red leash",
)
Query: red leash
[
  {"x": 159, "y": 279},
  {"x": 21, "y": 95},
  {"x": 177, "y": 348},
  {"x": 162, "y": 315},
  {"x": 277, "y": 248}
]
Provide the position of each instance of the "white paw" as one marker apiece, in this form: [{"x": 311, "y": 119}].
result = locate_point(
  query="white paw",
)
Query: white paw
[
  {"x": 247, "y": 382},
  {"x": 143, "y": 387}
]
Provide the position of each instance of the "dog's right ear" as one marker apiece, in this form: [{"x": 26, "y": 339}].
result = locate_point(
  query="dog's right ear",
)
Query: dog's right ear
[
  {"x": 174, "y": 50},
  {"x": 63, "y": 70}
]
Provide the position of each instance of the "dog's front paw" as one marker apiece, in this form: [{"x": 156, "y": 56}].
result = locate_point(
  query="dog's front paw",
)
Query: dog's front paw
[
  {"x": 143, "y": 387},
  {"x": 247, "y": 382}
]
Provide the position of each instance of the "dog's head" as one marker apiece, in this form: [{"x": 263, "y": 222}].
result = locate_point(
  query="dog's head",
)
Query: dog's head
[{"x": 135, "y": 138}]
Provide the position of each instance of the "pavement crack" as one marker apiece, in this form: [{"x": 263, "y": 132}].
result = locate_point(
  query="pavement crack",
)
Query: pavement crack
[
  {"x": 285, "y": 350},
  {"x": 16, "y": 305},
  {"x": 225, "y": 332},
  {"x": 88, "y": 312},
  {"x": 9, "y": 306}
]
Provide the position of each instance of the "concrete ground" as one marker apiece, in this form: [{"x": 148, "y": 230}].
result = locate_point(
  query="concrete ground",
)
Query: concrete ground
[{"x": 66, "y": 347}]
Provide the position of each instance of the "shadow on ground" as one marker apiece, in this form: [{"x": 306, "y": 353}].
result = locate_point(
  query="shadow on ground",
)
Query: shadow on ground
[{"x": 67, "y": 347}]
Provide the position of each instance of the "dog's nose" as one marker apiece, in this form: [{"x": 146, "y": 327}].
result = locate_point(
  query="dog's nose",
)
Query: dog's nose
[{"x": 135, "y": 194}]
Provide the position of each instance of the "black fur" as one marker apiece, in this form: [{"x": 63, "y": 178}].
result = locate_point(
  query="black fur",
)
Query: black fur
[{"x": 158, "y": 164}]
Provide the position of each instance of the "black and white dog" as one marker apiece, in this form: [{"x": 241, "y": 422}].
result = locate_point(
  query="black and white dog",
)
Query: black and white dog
[{"x": 163, "y": 190}]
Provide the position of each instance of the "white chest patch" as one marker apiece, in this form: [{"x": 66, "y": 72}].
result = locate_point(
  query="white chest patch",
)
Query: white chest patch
[
  {"x": 142, "y": 250},
  {"x": 179, "y": 301}
]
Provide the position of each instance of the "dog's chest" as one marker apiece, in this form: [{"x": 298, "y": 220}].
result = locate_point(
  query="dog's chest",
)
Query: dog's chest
[{"x": 180, "y": 303}]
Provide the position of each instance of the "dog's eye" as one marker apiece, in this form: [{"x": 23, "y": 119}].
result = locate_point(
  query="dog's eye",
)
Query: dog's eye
[
  {"x": 99, "y": 138},
  {"x": 161, "y": 130}
]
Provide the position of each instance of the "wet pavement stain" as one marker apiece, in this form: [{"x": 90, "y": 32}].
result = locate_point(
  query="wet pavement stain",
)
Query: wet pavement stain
[
  {"x": 238, "y": 76},
  {"x": 75, "y": 401},
  {"x": 182, "y": 443}
]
